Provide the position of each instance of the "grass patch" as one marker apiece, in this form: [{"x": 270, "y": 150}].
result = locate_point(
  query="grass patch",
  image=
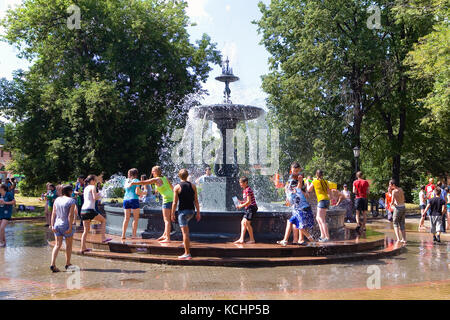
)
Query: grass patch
[
  {"x": 412, "y": 206},
  {"x": 29, "y": 201},
  {"x": 372, "y": 233},
  {"x": 39, "y": 207},
  {"x": 28, "y": 214}
]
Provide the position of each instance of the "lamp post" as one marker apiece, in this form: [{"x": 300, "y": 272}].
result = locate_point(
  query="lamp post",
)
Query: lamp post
[{"x": 356, "y": 153}]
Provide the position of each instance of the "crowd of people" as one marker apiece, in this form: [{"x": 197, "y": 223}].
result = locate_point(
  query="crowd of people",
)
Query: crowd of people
[
  {"x": 302, "y": 193},
  {"x": 65, "y": 202},
  {"x": 435, "y": 203}
]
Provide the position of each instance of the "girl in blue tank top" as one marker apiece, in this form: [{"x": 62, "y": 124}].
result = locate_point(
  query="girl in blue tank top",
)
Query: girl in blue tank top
[{"x": 131, "y": 203}]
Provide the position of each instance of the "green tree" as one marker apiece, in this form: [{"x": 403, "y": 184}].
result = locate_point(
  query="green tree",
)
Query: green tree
[
  {"x": 99, "y": 98},
  {"x": 331, "y": 71},
  {"x": 430, "y": 61}
]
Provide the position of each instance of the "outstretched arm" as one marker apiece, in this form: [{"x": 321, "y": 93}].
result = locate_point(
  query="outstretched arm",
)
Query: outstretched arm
[
  {"x": 175, "y": 203},
  {"x": 147, "y": 182},
  {"x": 310, "y": 186}
]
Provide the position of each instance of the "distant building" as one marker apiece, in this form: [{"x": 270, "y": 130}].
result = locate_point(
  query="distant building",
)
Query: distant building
[{"x": 5, "y": 156}]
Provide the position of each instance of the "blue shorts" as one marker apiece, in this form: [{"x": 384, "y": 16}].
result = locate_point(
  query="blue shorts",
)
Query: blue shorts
[
  {"x": 61, "y": 231},
  {"x": 303, "y": 219},
  {"x": 323, "y": 204},
  {"x": 184, "y": 216},
  {"x": 131, "y": 204},
  {"x": 167, "y": 205}
]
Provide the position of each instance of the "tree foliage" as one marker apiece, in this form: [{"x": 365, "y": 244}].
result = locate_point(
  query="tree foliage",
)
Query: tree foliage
[
  {"x": 98, "y": 99},
  {"x": 336, "y": 83}
]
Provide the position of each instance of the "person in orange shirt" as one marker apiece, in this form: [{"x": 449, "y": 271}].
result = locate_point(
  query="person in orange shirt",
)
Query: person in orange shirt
[{"x": 387, "y": 204}]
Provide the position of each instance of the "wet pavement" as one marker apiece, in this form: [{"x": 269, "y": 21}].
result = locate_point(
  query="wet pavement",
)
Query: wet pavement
[{"x": 421, "y": 272}]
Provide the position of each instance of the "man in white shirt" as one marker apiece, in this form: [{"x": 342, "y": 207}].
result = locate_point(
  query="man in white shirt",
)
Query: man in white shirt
[{"x": 208, "y": 173}]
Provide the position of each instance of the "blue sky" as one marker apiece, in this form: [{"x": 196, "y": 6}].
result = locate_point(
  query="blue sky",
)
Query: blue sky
[{"x": 228, "y": 22}]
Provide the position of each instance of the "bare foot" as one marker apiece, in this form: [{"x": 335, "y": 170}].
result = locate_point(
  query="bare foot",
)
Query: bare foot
[
  {"x": 161, "y": 238},
  {"x": 165, "y": 241},
  {"x": 239, "y": 241},
  {"x": 250, "y": 242}
]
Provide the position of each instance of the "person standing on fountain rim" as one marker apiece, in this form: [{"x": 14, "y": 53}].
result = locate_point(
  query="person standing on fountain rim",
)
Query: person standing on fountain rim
[
  {"x": 346, "y": 202},
  {"x": 398, "y": 204},
  {"x": 361, "y": 191},
  {"x": 89, "y": 213},
  {"x": 185, "y": 197},
  {"x": 296, "y": 174},
  {"x": 302, "y": 217},
  {"x": 165, "y": 188},
  {"x": 249, "y": 203},
  {"x": 7, "y": 202},
  {"x": 320, "y": 186},
  {"x": 437, "y": 207},
  {"x": 131, "y": 203},
  {"x": 147, "y": 194}
]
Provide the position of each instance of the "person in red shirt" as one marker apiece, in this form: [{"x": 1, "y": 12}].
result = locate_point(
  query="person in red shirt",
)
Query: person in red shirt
[
  {"x": 249, "y": 203},
  {"x": 430, "y": 188},
  {"x": 361, "y": 191}
]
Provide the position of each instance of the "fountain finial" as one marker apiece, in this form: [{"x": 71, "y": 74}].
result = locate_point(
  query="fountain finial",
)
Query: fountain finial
[{"x": 227, "y": 76}]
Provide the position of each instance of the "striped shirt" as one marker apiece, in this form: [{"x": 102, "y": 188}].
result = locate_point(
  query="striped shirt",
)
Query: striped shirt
[{"x": 248, "y": 192}]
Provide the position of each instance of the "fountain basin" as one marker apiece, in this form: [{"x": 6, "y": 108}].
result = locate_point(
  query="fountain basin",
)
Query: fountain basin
[
  {"x": 268, "y": 224},
  {"x": 223, "y": 114}
]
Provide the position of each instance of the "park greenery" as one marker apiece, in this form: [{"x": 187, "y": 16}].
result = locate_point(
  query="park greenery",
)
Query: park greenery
[
  {"x": 337, "y": 82},
  {"x": 100, "y": 98}
]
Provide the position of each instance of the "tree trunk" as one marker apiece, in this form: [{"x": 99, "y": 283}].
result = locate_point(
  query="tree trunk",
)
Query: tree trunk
[{"x": 396, "y": 169}]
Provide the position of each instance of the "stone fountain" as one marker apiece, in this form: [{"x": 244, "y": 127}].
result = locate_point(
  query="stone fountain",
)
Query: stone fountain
[
  {"x": 226, "y": 116},
  {"x": 220, "y": 219}
]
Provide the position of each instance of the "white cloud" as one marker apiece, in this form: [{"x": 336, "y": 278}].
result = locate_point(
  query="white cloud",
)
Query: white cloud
[{"x": 197, "y": 12}]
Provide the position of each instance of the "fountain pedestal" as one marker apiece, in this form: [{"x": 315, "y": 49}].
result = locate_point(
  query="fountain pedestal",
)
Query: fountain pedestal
[{"x": 217, "y": 193}]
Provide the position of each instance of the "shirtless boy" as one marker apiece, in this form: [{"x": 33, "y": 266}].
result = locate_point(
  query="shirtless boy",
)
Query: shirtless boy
[{"x": 398, "y": 204}]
